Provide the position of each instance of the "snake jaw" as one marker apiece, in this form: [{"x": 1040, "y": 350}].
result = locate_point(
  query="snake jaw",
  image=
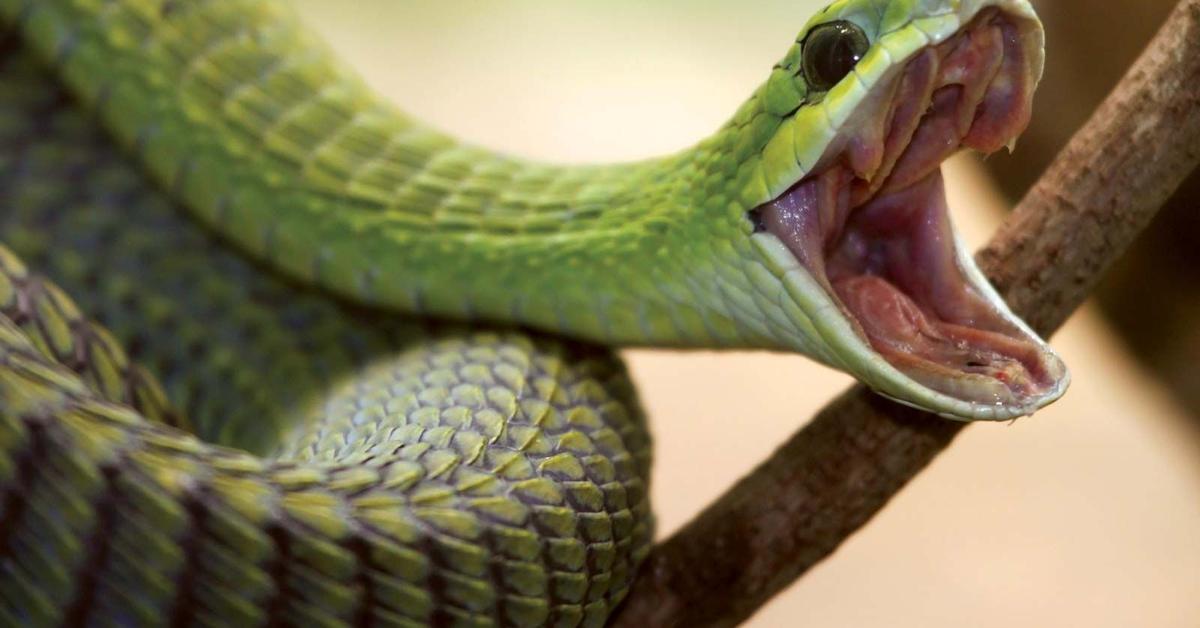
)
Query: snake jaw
[{"x": 898, "y": 301}]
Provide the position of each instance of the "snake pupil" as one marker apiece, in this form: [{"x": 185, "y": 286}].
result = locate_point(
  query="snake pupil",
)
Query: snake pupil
[{"x": 831, "y": 51}]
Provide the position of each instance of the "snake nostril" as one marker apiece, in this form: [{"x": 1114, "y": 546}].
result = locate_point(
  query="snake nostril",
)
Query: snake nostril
[{"x": 756, "y": 218}]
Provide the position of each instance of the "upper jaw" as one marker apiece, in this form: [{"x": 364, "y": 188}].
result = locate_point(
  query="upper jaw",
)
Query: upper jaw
[{"x": 918, "y": 341}]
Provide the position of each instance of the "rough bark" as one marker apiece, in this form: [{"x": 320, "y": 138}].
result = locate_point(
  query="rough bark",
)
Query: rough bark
[{"x": 832, "y": 476}]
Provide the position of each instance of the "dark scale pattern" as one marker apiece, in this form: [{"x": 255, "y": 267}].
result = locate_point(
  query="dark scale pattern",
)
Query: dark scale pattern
[
  {"x": 81, "y": 214},
  {"x": 421, "y": 474},
  {"x": 60, "y": 332}
]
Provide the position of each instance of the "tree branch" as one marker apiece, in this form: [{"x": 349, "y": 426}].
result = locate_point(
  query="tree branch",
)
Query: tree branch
[{"x": 832, "y": 476}]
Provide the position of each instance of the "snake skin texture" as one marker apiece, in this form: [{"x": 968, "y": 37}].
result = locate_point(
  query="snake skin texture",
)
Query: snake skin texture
[
  {"x": 245, "y": 118},
  {"x": 274, "y": 353},
  {"x": 414, "y": 474}
]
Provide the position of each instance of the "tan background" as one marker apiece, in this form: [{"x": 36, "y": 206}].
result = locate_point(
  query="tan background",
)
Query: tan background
[{"x": 1086, "y": 515}]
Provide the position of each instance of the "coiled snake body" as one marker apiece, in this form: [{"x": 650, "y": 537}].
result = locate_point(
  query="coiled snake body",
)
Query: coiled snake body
[{"x": 259, "y": 432}]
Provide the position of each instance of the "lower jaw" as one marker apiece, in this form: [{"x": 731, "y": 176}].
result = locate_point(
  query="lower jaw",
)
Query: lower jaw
[
  {"x": 964, "y": 356},
  {"x": 897, "y": 275}
]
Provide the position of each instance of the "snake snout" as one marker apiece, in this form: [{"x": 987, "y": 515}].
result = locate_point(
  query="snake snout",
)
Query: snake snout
[{"x": 904, "y": 306}]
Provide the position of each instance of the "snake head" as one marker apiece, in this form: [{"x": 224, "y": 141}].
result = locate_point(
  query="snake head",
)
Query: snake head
[{"x": 846, "y": 206}]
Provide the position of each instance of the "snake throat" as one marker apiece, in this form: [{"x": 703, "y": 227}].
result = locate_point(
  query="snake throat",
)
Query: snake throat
[{"x": 870, "y": 222}]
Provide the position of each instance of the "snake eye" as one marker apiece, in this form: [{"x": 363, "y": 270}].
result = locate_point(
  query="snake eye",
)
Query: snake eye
[{"x": 830, "y": 51}]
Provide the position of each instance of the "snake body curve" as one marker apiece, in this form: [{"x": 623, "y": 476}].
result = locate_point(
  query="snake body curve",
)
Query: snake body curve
[{"x": 254, "y": 436}]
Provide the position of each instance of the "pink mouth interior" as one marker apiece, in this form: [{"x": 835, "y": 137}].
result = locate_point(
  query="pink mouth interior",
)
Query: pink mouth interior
[{"x": 871, "y": 221}]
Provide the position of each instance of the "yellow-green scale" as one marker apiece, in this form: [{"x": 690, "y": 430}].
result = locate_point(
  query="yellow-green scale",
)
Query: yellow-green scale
[
  {"x": 417, "y": 472},
  {"x": 265, "y": 136},
  {"x": 420, "y": 473}
]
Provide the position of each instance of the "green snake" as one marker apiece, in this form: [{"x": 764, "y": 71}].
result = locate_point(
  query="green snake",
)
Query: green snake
[{"x": 322, "y": 365}]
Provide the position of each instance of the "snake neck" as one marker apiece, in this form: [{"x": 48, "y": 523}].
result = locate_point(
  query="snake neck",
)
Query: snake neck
[{"x": 252, "y": 124}]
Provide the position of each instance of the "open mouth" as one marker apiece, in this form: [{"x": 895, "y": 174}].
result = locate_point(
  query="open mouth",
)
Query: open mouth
[{"x": 870, "y": 221}]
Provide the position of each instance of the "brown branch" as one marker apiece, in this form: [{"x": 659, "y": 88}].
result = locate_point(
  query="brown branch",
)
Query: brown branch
[{"x": 835, "y": 474}]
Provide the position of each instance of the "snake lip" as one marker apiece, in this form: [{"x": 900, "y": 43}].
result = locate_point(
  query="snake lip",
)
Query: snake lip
[{"x": 870, "y": 225}]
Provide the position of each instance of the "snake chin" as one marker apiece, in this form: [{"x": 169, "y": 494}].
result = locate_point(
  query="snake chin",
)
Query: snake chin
[{"x": 870, "y": 224}]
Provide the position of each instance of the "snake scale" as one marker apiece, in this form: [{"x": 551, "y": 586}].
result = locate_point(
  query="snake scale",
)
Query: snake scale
[{"x": 322, "y": 365}]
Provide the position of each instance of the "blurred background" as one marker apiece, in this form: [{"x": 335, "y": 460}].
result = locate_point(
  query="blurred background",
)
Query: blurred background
[{"x": 1086, "y": 515}]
